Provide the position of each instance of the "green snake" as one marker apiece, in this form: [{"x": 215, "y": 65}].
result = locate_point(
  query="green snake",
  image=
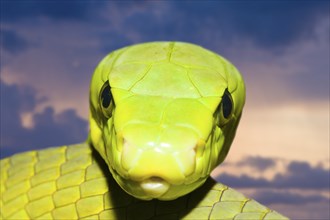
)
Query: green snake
[{"x": 162, "y": 116}]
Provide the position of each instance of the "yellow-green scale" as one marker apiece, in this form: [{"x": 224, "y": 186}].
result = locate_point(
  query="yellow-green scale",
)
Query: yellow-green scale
[{"x": 73, "y": 182}]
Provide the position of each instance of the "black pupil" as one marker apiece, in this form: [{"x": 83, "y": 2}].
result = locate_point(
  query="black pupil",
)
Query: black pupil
[
  {"x": 106, "y": 96},
  {"x": 227, "y": 105}
]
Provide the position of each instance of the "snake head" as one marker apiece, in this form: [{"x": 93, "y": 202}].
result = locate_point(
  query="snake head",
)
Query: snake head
[{"x": 163, "y": 115}]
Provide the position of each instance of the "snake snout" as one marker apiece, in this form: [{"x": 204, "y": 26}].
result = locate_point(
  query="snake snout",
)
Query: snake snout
[
  {"x": 156, "y": 159},
  {"x": 155, "y": 167}
]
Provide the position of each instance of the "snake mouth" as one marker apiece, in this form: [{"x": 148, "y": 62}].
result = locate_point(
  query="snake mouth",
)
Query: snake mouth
[
  {"x": 151, "y": 188},
  {"x": 155, "y": 187}
]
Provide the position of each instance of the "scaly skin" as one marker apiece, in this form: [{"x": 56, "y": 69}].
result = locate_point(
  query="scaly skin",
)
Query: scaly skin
[
  {"x": 73, "y": 182},
  {"x": 162, "y": 116},
  {"x": 164, "y": 130}
]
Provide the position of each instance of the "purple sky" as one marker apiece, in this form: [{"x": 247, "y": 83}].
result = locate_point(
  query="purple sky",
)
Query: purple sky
[{"x": 281, "y": 154}]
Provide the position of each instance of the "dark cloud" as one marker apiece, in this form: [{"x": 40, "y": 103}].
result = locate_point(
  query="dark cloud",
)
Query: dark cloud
[
  {"x": 298, "y": 175},
  {"x": 302, "y": 185},
  {"x": 302, "y": 175},
  {"x": 314, "y": 83},
  {"x": 152, "y": 27},
  {"x": 16, "y": 10},
  {"x": 49, "y": 129},
  {"x": 273, "y": 24},
  {"x": 257, "y": 163},
  {"x": 14, "y": 101},
  {"x": 269, "y": 197},
  {"x": 12, "y": 42},
  {"x": 63, "y": 128},
  {"x": 112, "y": 41},
  {"x": 243, "y": 181},
  {"x": 269, "y": 24}
]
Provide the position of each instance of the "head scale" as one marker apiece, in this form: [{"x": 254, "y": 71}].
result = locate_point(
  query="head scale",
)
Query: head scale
[{"x": 163, "y": 115}]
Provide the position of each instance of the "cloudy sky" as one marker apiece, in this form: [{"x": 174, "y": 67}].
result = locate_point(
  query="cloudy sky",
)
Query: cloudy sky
[{"x": 280, "y": 157}]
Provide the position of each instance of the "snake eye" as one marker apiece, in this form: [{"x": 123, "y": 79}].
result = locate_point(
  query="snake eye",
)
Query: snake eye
[
  {"x": 227, "y": 104},
  {"x": 106, "y": 100},
  {"x": 224, "y": 111}
]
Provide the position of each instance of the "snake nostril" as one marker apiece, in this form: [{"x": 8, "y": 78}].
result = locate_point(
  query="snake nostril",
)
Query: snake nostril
[
  {"x": 119, "y": 142},
  {"x": 199, "y": 149},
  {"x": 124, "y": 142}
]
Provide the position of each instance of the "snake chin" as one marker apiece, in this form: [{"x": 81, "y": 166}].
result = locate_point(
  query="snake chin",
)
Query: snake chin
[
  {"x": 154, "y": 187},
  {"x": 151, "y": 188}
]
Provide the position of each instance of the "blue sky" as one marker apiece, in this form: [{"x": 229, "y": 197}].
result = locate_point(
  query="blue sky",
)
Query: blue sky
[{"x": 49, "y": 50}]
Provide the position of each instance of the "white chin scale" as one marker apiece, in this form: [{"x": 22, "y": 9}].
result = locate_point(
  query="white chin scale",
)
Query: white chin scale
[{"x": 155, "y": 187}]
